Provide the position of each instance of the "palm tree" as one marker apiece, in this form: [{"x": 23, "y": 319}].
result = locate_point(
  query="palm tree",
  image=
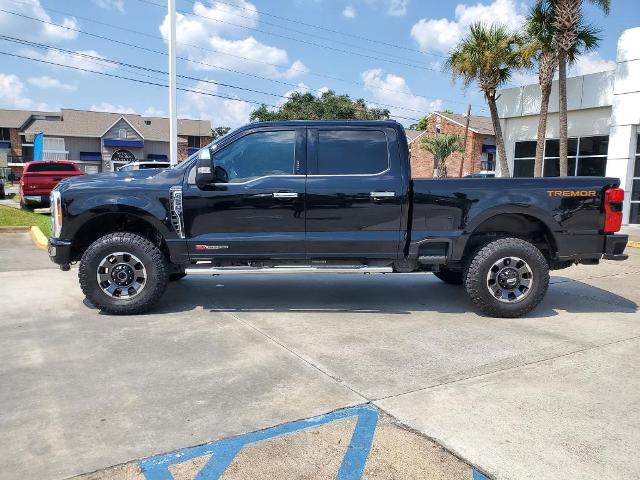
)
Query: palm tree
[
  {"x": 488, "y": 54},
  {"x": 442, "y": 146},
  {"x": 568, "y": 15},
  {"x": 541, "y": 48}
]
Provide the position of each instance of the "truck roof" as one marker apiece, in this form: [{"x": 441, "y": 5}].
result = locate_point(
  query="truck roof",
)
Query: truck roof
[{"x": 357, "y": 123}]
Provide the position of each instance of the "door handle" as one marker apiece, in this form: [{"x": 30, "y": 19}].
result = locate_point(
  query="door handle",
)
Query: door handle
[
  {"x": 382, "y": 194},
  {"x": 285, "y": 194}
]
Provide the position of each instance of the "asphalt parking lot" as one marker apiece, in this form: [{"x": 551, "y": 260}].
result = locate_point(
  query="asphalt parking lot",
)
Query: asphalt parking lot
[{"x": 553, "y": 395}]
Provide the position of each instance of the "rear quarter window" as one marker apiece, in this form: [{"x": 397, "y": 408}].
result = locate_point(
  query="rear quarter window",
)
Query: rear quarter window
[
  {"x": 51, "y": 167},
  {"x": 352, "y": 152}
]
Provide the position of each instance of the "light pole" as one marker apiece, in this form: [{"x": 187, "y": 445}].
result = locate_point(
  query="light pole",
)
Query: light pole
[{"x": 173, "y": 119}]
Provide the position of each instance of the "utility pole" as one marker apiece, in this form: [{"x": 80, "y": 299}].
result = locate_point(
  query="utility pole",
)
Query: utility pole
[
  {"x": 173, "y": 119},
  {"x": 466, "y": 134}
]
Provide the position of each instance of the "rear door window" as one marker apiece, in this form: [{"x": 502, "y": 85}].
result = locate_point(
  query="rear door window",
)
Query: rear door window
[
  {"x": 352, "y": 152},
  {"x": 51, "y": 167}
]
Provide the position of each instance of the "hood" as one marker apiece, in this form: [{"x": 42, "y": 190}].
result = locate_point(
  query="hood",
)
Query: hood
[{"x": 152, "y": 178}]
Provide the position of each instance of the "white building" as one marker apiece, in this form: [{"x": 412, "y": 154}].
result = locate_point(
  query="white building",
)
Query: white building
[{"x": 604, "y": 119}]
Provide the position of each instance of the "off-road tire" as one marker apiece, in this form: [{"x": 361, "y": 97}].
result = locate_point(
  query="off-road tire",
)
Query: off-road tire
[
  {"x": 481, "y": 262},
  {"x": 154, "y": 261},
  {"x": 450, "y": 276}
]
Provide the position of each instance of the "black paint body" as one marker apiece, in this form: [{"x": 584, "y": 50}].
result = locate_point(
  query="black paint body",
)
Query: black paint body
[{"x": 334, "y": 218}]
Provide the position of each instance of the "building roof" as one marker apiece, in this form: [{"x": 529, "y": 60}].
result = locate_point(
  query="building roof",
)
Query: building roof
[
  {"x": 412, "y": 134},
  {"x": 83, "y": 123},
  {"x": 17, "y": 118},
  {"x": 479, "y": 124}
]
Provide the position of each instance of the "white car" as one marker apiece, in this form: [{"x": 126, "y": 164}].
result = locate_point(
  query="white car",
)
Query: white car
[{"x": 143, "y": 165}]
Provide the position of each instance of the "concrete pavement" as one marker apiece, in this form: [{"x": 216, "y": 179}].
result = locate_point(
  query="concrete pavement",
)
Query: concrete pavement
[{"x": 546, "y": 396}]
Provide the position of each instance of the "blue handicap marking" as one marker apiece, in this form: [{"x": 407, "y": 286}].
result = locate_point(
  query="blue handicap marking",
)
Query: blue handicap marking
[
  {"x": 476, "y": 475},
  {"x": 224, "y": 451}
]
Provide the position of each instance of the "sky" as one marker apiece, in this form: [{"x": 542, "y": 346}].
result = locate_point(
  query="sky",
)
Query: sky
[{"x": 235, "y": 52}]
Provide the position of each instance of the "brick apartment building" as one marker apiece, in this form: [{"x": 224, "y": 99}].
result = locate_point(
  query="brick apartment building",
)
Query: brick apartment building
[
  {"x": 97, "y": 141},
  {"x": 480, "y": 145}
]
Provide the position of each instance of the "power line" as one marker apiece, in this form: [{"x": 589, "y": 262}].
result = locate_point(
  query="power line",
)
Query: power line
[
  {"x": 326, "y": 29},
  {"x": 121, "y": 77},
  {"x": 97, "y": 60},
  {"x": 213, "y": 66},
  {"x": 147, "y": 82},
  {"x": 306, "y": 42},
  {"x": 305, "y": 33}
]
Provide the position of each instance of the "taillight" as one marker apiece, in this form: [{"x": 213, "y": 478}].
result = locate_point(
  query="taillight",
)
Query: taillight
[{"x": 613, "y": 200}]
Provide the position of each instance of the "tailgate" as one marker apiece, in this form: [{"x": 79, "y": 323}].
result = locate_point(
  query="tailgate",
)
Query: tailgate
[{"x": 41, "y": 183}]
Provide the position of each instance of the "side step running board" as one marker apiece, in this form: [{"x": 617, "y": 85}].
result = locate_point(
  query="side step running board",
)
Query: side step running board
[{"x": 282, "y": 270}]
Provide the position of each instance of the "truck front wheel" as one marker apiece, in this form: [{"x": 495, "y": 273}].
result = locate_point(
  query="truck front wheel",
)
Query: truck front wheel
[
  {"x": 123, "y": 273},
  {"x": 507, "y": 277}
]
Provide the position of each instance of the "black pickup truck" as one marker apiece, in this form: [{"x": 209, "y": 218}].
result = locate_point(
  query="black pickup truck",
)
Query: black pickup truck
[{"x": 327, "y": 197}]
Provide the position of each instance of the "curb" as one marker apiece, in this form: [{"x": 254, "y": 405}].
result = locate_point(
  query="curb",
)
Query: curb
[
  {"x": 14, "y": 229},
  {"x": 38, "y": 238}
]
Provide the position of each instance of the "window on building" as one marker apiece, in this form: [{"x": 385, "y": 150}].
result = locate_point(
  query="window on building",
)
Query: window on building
[
  {"x": 634, "y": 215},
  {"x": 5, "y": 134},
  {"x": 193, "y": 141},
  {"x": 352, "y": 152},
  {"x": 524, "y": 159},
  {"x": 587, "y": 157},
  {"x": 122, "y": 133},
  {"x": 257, "y": 155}
]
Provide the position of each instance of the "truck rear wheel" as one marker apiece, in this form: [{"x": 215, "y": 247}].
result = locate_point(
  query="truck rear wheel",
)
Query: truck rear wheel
[
  {"x": 507, "y": 277},
  {"x": 123, "y": 273},
  {"x": 449, "y": 276}
]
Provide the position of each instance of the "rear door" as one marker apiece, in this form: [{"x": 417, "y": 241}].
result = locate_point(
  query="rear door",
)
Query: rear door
[
  {"x": 256, "y": 208},
  {"x": 354, "y": 192}
]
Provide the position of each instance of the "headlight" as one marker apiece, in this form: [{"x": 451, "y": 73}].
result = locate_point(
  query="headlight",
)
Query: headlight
[{"x": 56, "y": 214}]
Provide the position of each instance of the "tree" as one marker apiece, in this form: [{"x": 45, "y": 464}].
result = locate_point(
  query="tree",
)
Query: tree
[
  {"x": 567, "y": 18},
  {"x": 540, "y": 47},
  {"x": 422, "y": 123},
  {"x": 442, "y": 146},
  {"x": 219, "y": 132},
  {"x": 327, "y": 106},
  {"x": 488, "y": 54}
]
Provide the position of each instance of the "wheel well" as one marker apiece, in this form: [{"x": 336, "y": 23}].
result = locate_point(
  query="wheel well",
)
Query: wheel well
[
  {"x": 114, "y": 222},
  {"x": 516, "y": 225}
]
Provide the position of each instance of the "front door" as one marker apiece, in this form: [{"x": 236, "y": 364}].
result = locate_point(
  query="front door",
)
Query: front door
[
  {"x": 256, "y": 207},
  {"x": 355, "y": 192}
]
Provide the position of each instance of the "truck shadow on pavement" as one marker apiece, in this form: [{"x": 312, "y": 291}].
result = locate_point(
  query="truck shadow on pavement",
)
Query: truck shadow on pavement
[{"x": 393, "y": 295}]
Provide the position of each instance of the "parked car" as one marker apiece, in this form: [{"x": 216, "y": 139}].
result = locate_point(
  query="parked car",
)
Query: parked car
[
  {"x": 480, "y": 175},
  {"x": 327, "y": 197},
  {"x": 143, "y": 165},
  {"x": 40, "y": 177}
]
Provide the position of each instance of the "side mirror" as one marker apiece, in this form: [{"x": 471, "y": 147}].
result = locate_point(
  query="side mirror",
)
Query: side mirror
[{"x": 204, "y": 173}]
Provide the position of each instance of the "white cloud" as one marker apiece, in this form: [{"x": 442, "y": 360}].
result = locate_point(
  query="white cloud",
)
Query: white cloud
[
  {"x": 220, "y": 111},
  {"x": 224, "y": 45},
  {"x": 392, "y": 89},
  {"x": 153, "y": 112},
  {"x": 110, "y": 4},
  {"x": 109, "y": 107},
  {"x": 398, "y": 7},
  {"x": 349, "y": 12},
  {"x": 302, "y": 88},
  {"x": 12, "y": 94},
  {"x": 51, "y": 83},
  {"x": 24, "y": 28},
  {"x": 591, "y": 62},
  {"x": 75, "y": 61},
  {"x": 443, "y": 34}
]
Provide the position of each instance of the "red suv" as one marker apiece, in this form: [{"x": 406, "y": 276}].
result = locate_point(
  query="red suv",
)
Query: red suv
[{"x": 39, "y": 178}]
